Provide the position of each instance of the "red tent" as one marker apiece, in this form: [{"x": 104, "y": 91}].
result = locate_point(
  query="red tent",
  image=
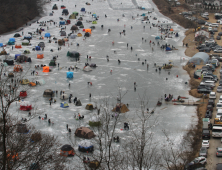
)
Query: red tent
[
  {"x": 23, "y": 94},
  {"x": 68, "y": 22},
  {"x": 25, "y": 106}
]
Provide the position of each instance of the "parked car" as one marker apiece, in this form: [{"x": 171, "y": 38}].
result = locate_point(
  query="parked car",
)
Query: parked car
[
  {"x": 205, "y": 143},
  {"x": 210, "y": 40},
  {"x": 218, "y": 50},
  {"x": 203, "y": 152},
  {"x": 219, "y": 106},
  {"x": 212, "y": 95},
  {"x": 196, "y": 163},
  {"x": 220, "y": 99},
  {"x": 205, "y": 134},
  {"x": 211, "y": 102},
  {"x": 219, "y": 89},
  {"x": 207, "y": 23},
  {"x": 210, "y": 107},
  {"x": 218, "y": 115},
  {"x": 218, "y": 38},
  {"x": 210, "y": 74},
  {"x": 205, "y": 91},
  {"x": 204, "y": 87},
  {"x": 220, "y": 83},
  {"x": 208, "y": 114},
  {"x": 219, "y": 166},
  {"x": 219, "y": 152}
]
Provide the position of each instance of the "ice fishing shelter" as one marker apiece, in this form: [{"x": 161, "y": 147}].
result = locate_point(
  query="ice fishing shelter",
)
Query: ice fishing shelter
[
  {"x": 94, "y": 15},
  {"x": 87, "y": 68},
  {"x": 25, "y": 106},
  {"x": 93, "y": 65},
  {"x": 64, "y": 96},
  {"x": 37, "y": 48},
  {"x": 52, "y": 63},
  {"x": 22, "y": 128},
  {"x": 11, "y": 43},
  {"x": 17, "y": 35},
  {"x": 46, "y": 69},
  {"x": 54, "y": 7},
  {"x": 87, "y": 34},
  {"x": 18, "y": 68},
  {"x": 11, "y": 39},
  {"x": 84, "y": 132},
  {"x": 64, "y": 105},
  {"x": 25, "y": 42},
  {"x": 40, "y": 56},
  {"x": 1, "y": 45},
  {"x": 121, "y": 108},
  {"x": 16, "y": 55},
  {"x": 26, "y": 52},
  {"x": 85, "y": 146},
  {"x": 61, "y": 42},
  {"x": 89, "y": 107},
  {"x": 78, "y": 103},
  {"x": 79, "y": 35},
  {"x": 72, "y": 36},
  {"x": 67, "y": 151},
  {"x": 83, "y": 9},
  {"x": 47, "y": 35},
  {"x": 24, "y": 81},
  {"x": 94, "y": 22},
  {"x": 88, "y": 30},
  {"x": 65, "y": 11},
  {"x": 63, "y": 6},
  {"x": 79, "y": 23},
  {"x": 62, "y": 33},
  {"x": 23, "y": 94},
  {"x": 22, "y": 58},
  {"x": 11, "y": 74},
  {"x": 76, "y": 13},
  {"x": 48, "y": 93},
  {"x": 72, "y": 16},
  {"x": 74, "y": 54},
  {"x": 68, "y": 22},
  {"x": 157, "y": 37},
  {"x": 18, "y": 45},
  {"x": 94, "y": 121},
  {"x": 74, "y": 27},
  {"x": 62, "y": 23},
  {"x": 168, "y": 49},
  {"x": 28, "y": 37},
  {"x": 143, "y": 15},
  {"x": 199, "y": 58},
  {"x": 69, "y": 74}
]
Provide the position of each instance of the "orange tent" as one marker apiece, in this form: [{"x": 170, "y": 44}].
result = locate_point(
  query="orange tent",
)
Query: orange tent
[
  {"x": 18, "y": 46},
  {"x": 171, "y": 29},
  {"x": 32, "y": 84},
  {"x": 46, "y": 69},
  {"x": 40, "y": 56},
  {"x": 18, "y": 68},
  {"x": 88, "y": 30}
]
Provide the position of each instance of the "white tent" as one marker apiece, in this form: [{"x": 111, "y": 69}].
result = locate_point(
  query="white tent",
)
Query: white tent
[
  {"x": 72, "y": 36},
  {"x": 87, "y": 68},
  {"x": 65, "y": 96},
  {"x": 203, "y": 33},
  {"x": 85, "y": 143},
  {"x": 41, "y": 81}
]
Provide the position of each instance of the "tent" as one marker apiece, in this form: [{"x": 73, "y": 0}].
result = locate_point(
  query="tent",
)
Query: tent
[
  {"x": 72, "y": 36},
  {"x": 81, "y": 26},
  {"x": 16, "y": 55},
  {"x": 60, "y": 42},
  {"x": 25, "y": 42},
  {"x": 157, "y": 37},
  {"x": 168, "y": 49},
  {"x": 80, "y": 18},
  {"x": 64, "y": 105},
  {"x": 50, "y": 14},
  {"x": 23, "y": 94},
  {"x": 12, "y": 156},
  {"x": 32, "y": 84},
  {"x": 48, "y": 93},
  {"x": 94, "y": 15},
  {"x": 68, "y": 22},
  {"x": 11, "y": 43},
  {"x": 76, "y": 13},
  {"x": 143, "y": 15},
  {"x": 65, "y": 11},
  {"x": 40, "y": 56},
  {"x": 26, "y": 52},
  {"x": 171, "y": 29},
  {"x": 3, "y": 52},
  {"x": 73, "y": 54},
  {"x": 46, "y": 69},
  {"x": 85, "y": 146},
  {"x": 84, "y": 132},
  {"x": 87, "y": 34},
  {"x": 47, "y": 35},
  {"x": 62, "y": 23},
  {"x": 52, "y": 63},
  {"x": 88, "y": 30},
  {"x": 63, "y": 96},
  {"x": 78, "y": 103},
  {"x": 94, "y": 164},
  {"x": 18, "y": 68},
  {"x": 69, "y": 74},
  {"x": 199, "y": 58},
  {"x": 37, "y": 48},
  {"x": 94, "y": 121},
  {"x": 177, "y": 35},
  {"x": 62, "y": 33},
  {"x": 17, "y": 35},
  {"x": 54, "y": 7},
  {"x": 24, "y": 81},
  {"x": 89, "y": 107},
  {"x": 18, "y": 45},
  {"x": 93, "y": 65},
  {"x": 25, "y": 106},
  {"x": 83, "y": 9},
  {"x": 79, "y": 23},
  {"x": 94, "y": 22},
  {"x": 72, "y": 16},
  {"x": 63, "y": 7},
  {"x": 74, "y": 27},
  {"x": 22, "y": 58},
  {"x": 79, "y": 35},
  {"x": 67, "y": 151},
  {"x": 41, "y": 82},
  {"x": 21, "y": 128},
  {"x": 87, "y": 68},
  {"x": 9, "y": 62},
  {"x": 11, "y": 75},
  {"x": 28, "y": 37},
  {"x": 121, "y": 108},
  {"x": 11, "y": 39},
  {"x": 1, "y": 45}
]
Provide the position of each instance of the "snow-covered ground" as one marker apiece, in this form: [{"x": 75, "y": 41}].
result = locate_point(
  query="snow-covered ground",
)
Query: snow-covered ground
[{"x": 173, "y": 119}]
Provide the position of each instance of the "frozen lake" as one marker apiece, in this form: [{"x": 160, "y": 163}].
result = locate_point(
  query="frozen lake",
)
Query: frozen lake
[{"x": 174, "y": 119}]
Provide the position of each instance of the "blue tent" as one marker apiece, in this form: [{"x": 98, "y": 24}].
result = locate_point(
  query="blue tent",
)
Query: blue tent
[
  {"x": 12, "y": 39},
  {"x": 83, "y": 9},
  {"x": 143, "y": 15},
  {"x": 62, "y": 23},
  {"x": 69, "y": 74},
  {"x": 143, "y": 8},
  {"x": 28, "y": 37},
  {"x": 157, "y": 37},
  {"x": 37, "y": 48},
  {"x": 16, "y": 55},
  {"x": 64, "y": 105},
  {"x": 11, "y": 43},
  {"x": 177, "y": 35},
  {"x": 94, "y": 15},
  {"x": 168, "y": 49},
  {"x": 47, "y": 35},
  {"x": 1, "y": 44}
]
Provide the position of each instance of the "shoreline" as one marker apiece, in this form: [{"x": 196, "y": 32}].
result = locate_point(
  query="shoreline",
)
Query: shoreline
[{"x": 196, "y": 131}]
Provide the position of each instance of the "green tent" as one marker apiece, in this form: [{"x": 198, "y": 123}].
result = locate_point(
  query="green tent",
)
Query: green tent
[
  {"x": 26, "y": 52},
  {"x": 75, "y": 13},
  {"x": 91, "y": 123},
  {"x": 72, "y": 16},
  {"x": 52, "y": 63},
  {"x": 94, "y": 22},
  {"x": 25, "y": 43},
  {"x": 81, "y": 26}
]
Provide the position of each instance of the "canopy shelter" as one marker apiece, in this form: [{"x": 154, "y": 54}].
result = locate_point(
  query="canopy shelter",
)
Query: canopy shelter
[
  {"x": 121, "y": 108},
  {"x": 89, "y": 107},
  {"x": 48, "y": 93},
  {"x": 9, "y": 62},
  {"x": 23, "y": 94},
  {"x": 41, "y": 82},
  {"x": 40, "y": 56},
  {"x": 18, "y": 68},
  {"x": 64, "y": 96},
  {"x": 74, "y": 54},
  {"x": 47, "y": 35},
  {"x": 21, "y": 128},
  {"x": 17, "y": 35},
  {"x": 69, "y": 75},
  {"x": 64, "y": 105},
  {"x": 84, "y": 132},
  {"x": 199, "y": 59},
  {"x": 85, "y": 146},
  {"x": 25, "y": 106},
  {"x": 74, "y": 27},
  {"x": 25, "y": 42},
  {"x": 46, "y": 69},
  {"x": 67, "y": 151}
]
